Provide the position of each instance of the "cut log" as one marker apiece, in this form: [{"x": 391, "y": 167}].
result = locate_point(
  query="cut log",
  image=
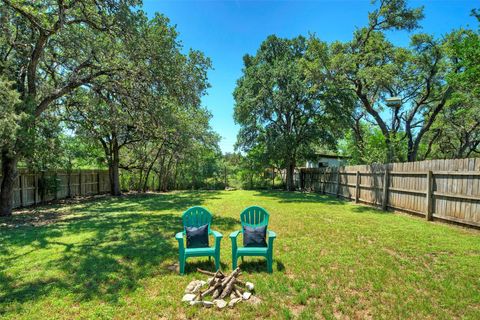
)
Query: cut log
[
  {"x": 228, "y": 288},
  {"x": 237, "y": 292},
  {"x": 241, "y": 283},
  {"x": 241, "y": 290},
  {"x": 198, "y": 296},
  {"x": 217, "y": 293},
  {"x": 212, "y": 289},
  {"x": 217, "y": 274},
  {"x": 232, "y": 275}
]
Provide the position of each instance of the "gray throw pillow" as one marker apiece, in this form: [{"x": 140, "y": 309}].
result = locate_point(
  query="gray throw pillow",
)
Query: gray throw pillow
[
  {"x": 254, "y": 236},
  {"x": 197, "y": 237}
]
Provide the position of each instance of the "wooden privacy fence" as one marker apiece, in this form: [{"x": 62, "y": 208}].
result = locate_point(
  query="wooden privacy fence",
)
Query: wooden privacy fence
[
  {"x": 441, "y": 189},
  {"x": 37, "y": 187}
]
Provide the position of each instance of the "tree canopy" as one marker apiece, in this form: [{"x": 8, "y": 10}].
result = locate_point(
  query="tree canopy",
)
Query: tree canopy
[
  {"x": 97, "y": 70},
  {"x": 279, "y": 109}
]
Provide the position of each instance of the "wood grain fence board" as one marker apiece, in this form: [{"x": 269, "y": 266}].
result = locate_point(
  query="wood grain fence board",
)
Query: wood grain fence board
[
  {"x": 475, "y": 191},
  {"x": 455, "y": 187},
  {"x": 449, "y": 188},
  {"x": 468, "y": 191},
  {"x": 440, "y": 205},
  {"x": 82, "y": 182}
]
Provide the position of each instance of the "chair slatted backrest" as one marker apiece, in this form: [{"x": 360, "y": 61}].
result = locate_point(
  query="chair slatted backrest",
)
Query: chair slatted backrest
[
  {"x": 254, "y": 216},
  {"x": 196, "y": 217}
]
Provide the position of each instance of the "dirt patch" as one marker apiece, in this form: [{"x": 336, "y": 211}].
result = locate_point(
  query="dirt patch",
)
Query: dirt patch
[{"x": 297, "y": 309}]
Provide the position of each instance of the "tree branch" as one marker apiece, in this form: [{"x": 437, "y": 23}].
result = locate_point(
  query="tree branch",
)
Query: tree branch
[{"x": 69, "y": 87}]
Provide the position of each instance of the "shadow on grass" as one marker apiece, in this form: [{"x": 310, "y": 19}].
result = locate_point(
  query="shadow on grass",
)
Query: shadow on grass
[
  {"x": 202, "y": 263},
  {"x": 258, "y": 265},
  {"x": 50, "y": 213},
  {"x": 368, "y": 209},
  {"x": 101, "y": 249},
  {"x": 296, "y": 196},
  {"x": 175, "y": 201}
]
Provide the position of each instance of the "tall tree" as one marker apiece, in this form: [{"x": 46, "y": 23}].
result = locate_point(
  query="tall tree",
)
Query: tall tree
[
  {"x": 48, "y": 50},
  {"x": 456, "y": 134},
  {"x": 278, "y": 107},
  {"x": 144, "y": 102},
  {"x": 437, "y": 83},
  {"x": 374, "y": 70}
]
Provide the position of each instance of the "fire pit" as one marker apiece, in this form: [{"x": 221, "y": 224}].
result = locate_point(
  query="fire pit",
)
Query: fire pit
[{"x": 219, "y": 290}]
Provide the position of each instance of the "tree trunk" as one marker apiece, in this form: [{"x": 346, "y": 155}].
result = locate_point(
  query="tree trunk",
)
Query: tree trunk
[
  {"x": 390, "y": 150},
  {"x": 175, "y": 185},
  {"x": 290, "y": 172},
  {"x": 139, "y": 185},
  {"x": 225, "y": 181},
  {"x": 412, "y": 155},
  {"x": 9, "y": 175},
  {"x": 273, "y": 178},
  {"x": 145, "y": 185},
  {"x": 113, "y": 170},
  {"x": 160, "y": 175},
  {"x": 166, "y": 175}
]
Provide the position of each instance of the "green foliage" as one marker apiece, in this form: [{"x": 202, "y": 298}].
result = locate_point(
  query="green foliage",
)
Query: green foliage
[
  {"x": 371, "y": 149},
  {"x": 50, "y": 49},
  {"x": 148, "y": 118},
  {"x": 282, "y": 114},
  {"x": 456, "y": 133},
  {"x": 48, "y": 185},
  {"x": 9, "y": 119},
  {"x": 373, "y": 69}
]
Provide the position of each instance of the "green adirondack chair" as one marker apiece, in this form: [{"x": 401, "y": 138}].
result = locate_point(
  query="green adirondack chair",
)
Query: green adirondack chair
[
  {"x": 195, "y": 217},
  {"x": 253, "y": 216}
]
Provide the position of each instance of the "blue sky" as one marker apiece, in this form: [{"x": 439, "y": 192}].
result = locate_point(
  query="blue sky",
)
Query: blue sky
[{"x": 226, "y": 30}]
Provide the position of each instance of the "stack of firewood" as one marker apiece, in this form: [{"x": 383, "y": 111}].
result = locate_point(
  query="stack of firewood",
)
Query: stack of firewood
[{"x": 219, "y": 287}]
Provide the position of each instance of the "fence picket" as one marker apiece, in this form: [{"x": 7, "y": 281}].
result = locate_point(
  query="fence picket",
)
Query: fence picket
[
  {"x": 454, "y": 187},
  {"x": 79, "y": 182}
]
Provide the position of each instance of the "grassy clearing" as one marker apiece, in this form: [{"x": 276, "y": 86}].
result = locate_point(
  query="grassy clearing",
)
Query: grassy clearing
[{"x": 109, "y": 258}]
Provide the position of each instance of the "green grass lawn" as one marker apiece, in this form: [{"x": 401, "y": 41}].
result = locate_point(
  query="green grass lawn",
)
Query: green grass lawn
[{"x": 109, "y": 258}]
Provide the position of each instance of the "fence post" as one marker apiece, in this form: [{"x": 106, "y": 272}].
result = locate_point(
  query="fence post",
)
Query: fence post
[
  {"x": 357, "y": 187},
  {"x": 338, "y": 182},
  {"x": 301, "y": 175},
  {"x": 385, "y": 189},
  {"x": 56, "y": 185},
  {"x": 35, "y": 188},
  {"x": 80, "y": 183},
  {"x": 429, "y": 211},
  {"x": 69, "y": 183},
  {"x": 42, "y": 184},
  {"x": 98, "y": 182},
  {"x": 20, "y": 189},
  {"x": 320, "y": 180},
  {"x": 324, "y": 181}
]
